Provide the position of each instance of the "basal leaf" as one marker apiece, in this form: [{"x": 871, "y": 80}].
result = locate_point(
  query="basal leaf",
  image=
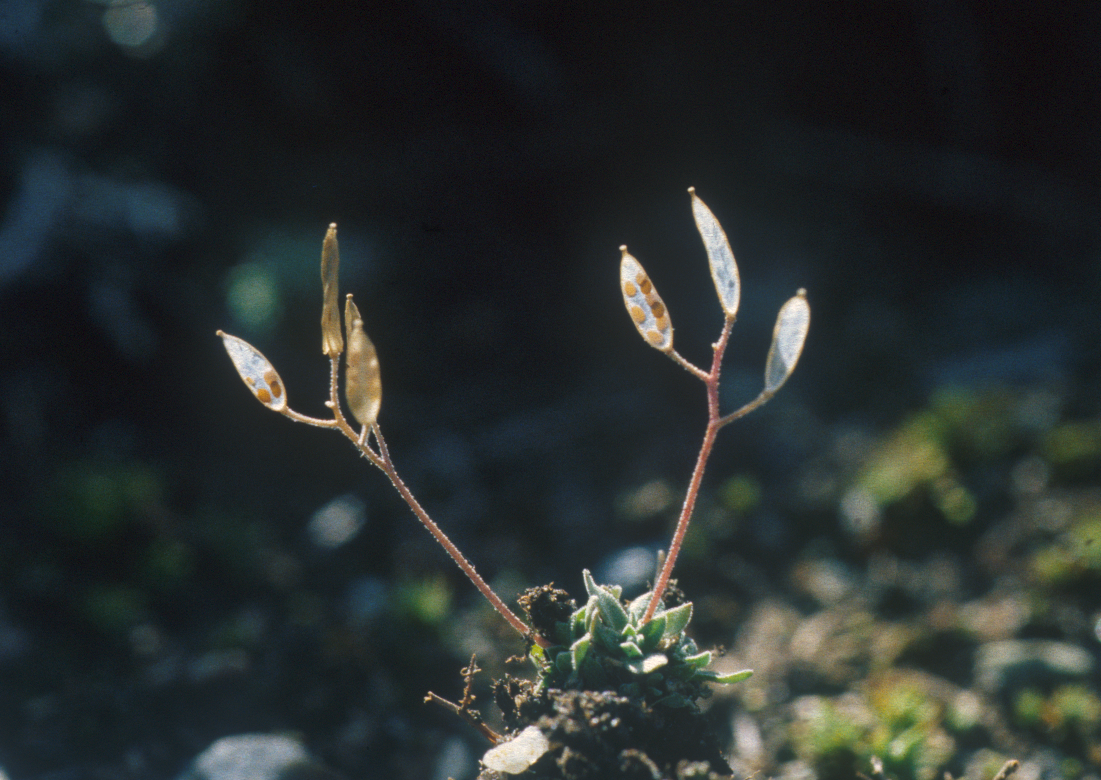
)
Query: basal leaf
[
  {"x": 724, "y": 679},
  {"x": 676, "y": 619}
]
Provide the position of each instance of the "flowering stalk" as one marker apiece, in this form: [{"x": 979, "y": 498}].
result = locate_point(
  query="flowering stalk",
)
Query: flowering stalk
[
  {"x": 651, "y": 318},
  {"x": 363, "y": 387},
  {"x": 363, "y": 392}
]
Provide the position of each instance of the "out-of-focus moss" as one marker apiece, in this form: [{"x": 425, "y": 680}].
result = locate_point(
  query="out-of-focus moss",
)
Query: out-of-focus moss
[
  {"x": 1070, "y": 712},
  {"x": 740, "y": 493},
  {"x": 912, "y": 456},
  {"x": 426, "y": 601},
  {"x": 1079, "y": 707},
  {"x": 829, "y": 739},
  {"x": 114, "y": 609},
  {"x": 1028, "y": 708},
  {"x": 1072, "y": 556},
  {"x": 91, "y": 501},
  {"x": 896, "y": 719},
  {"x": 167, "y": 563},
  {"x": 979, "y": 425},
  {"x": 931, "y": 449},
  {"x": 1074, "y": 447}
]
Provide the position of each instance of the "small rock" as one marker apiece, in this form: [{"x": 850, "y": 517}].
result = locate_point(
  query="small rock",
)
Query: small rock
[
  {"x": 254, "y": 757},
  {"x": 1014, "y": 662}
]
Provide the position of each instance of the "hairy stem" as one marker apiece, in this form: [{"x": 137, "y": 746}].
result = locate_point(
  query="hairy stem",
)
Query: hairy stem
[
  {"x": 714, "y": 423},
  {"x": 388, "y": 469},
  {"x": 382, "y": 460}
]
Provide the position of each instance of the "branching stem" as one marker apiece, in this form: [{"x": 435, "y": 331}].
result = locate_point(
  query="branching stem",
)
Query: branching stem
[
  {"x": 714, "y": 424},
  {"x": 382, "y": 460}
]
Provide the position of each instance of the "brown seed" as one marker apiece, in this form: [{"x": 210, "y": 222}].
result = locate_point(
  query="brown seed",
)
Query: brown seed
[{"x": 644, "y": 305}]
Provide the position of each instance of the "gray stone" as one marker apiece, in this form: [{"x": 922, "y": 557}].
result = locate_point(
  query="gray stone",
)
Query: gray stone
[{"x": 249, "y": 757}]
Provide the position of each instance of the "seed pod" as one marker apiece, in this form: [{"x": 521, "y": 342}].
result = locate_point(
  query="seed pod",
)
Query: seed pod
[
  {"x": 256, "y": 371},
  {"x": 788, "y": 336},
  {"x": 362, "y": 380},
  {"x": 332, "y": 343},
  {"x": 644, "y": 304},
  {"x": 519, "y": 753},
  {"x": 724, "y": 270}
]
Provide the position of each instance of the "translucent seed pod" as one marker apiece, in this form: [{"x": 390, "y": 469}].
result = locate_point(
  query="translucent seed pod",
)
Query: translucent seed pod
[
  {"x": 724, "y": 270},
  {"x": 256, "y": 371},
  {"x": 643, "y": 303},
  {"x": 519, "y": 753},
  {"x": 332, "y": 343},
  {"x": 788, "y": 337},
  {"x": 362, "y": 379}
]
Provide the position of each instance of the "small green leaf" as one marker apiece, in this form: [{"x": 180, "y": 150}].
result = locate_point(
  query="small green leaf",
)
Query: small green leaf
[
  {"x": 596, "y": 679},
  {"x": 578, "y": 620},
  {"x": 580, "y": 649},
  {"x": 676, "y": 619},
  {"x": 637, "y": 608},
  {"x": 592, "y": 614},
  {"x": 724, "y": 679},
  {"x": 650, "y": 663},
  {"x": 610, "y": 608},
  {"x": 605, "y": 637},
  {"x": 653, "y": 632},
  {"x": 700, "y": 660},
  {"x": 630, "y": 649},
  {"x": 590, "y": 584},
  {"x": 563, "y": 662},
  {"x": 538, "y": 656}
]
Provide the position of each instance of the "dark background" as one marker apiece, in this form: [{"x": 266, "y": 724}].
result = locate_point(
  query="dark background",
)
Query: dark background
[{"x": 928, "y": 170}]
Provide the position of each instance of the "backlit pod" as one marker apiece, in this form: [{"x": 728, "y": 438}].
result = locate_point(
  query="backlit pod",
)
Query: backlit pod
[
  {"x": 643, "y": 303},
  {"x": 362, "y": 380},
  {"x": 256, "y": 371}
]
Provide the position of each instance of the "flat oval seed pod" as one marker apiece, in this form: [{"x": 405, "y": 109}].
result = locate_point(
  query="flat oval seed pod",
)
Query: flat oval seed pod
[
  {"x": 519, "y": 753},
  {"x": 257, "y": 372},
  {"x": 719, "y": 255},
  {"x": 643, "y": 303},
  {"x": 362, "y": 379},
  {"x": 788, "y": 336},
  {"x": 332, "y": 344}
]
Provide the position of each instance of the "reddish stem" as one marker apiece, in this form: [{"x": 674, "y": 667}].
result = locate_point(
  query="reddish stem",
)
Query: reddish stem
[
  {"x": 714, "y": 423},
  {"x": 386, "y": 465}
]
